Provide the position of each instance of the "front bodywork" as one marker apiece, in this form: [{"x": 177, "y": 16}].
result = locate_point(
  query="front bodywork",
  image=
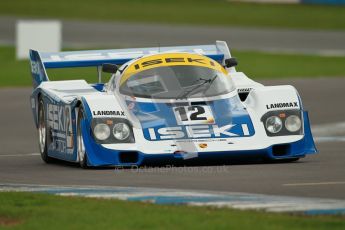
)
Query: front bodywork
[{"x": 243, "y": 138}]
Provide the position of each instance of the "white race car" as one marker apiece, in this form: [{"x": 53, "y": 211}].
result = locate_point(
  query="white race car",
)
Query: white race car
[{"x": 163, "y": 104}]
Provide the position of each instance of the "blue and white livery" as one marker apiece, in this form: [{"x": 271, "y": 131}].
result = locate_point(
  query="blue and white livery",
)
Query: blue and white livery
[{"x": 163, "y": 105}]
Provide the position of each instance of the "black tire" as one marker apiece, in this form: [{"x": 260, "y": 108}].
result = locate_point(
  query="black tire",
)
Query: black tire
[
  {"x": 288, "y": 160},
  {"x": 43, "y": 132},
  {"x": 82, "y": 155}
]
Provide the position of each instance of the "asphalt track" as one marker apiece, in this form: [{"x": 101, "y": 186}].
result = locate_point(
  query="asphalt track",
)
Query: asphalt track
[
  {"x": 84, "y": 34},
  {"x": 321, "y": 175}
]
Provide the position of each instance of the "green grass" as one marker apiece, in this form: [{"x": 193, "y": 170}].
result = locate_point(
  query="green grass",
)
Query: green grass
[
  {"x": 256, "y": 65},
  {"x": 42, "y": 211},
  {"x": 201, "y": 12}
]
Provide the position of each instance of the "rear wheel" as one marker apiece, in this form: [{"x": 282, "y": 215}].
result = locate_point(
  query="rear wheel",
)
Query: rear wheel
[
  {"x": 82, "y": 156},
  {"x": 43, "y": 133}
]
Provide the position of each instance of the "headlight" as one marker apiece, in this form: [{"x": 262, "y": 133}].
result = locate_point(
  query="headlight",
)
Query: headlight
[
  {"x": 274, "y": 124},
  {"x": 293, "y": 123},
  {"x": 109, "y": 130},
  {"x": 101, "y": 131},
  {"x": 121, "y": 131}
]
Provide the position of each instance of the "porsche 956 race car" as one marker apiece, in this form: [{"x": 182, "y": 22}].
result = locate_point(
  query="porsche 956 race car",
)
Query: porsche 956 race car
[{"x": 163, "y": 104}]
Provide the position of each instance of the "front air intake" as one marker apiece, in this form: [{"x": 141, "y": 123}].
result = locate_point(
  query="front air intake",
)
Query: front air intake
[
  {"x": 130, "y": 157},
  {"x": 280, "y": 150}
]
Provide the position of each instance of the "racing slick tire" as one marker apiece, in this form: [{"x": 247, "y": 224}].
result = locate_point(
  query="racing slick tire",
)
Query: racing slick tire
[
  {"x": 82, "y": 156},
  {"x": 288, "y": 160},
  {"x": 43, "y": 133}
]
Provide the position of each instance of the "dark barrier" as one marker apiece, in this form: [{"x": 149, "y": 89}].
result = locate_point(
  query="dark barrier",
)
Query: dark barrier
[{"x": 325, "y": 2}]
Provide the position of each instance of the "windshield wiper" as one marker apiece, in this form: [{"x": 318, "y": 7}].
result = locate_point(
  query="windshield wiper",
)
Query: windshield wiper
[{"x": 186, "y": 93}]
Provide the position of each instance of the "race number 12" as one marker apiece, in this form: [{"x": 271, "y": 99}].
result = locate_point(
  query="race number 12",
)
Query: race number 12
[{"x": 190, "y": 115}]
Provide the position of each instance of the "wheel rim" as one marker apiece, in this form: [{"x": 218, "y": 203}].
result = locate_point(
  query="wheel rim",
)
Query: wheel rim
[
  {"x": 41, "y": 130},
  {"x": 81, "y": 147}
]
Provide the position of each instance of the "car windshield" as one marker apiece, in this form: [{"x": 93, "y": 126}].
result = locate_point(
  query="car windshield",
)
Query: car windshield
[{"x": 177, "y": 82}]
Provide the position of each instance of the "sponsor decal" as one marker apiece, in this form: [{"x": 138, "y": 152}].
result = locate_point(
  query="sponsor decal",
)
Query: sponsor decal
[
  {"x": 60, "y": 122},
  {"x": 35, "y": 67},
  {"x": 170, "y": 59},
  {"x": 108, "y": 113},
  {"x": 203, "y": 145},
  {"x": 283, "y": 105},
  {"x": 35, "y": 70},
  {"x": 198, "y": 131},
  {"x": 244, "y": 90}
]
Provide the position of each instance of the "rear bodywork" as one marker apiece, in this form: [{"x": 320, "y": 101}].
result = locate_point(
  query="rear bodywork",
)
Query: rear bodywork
[{"x": 235, "y": 124}]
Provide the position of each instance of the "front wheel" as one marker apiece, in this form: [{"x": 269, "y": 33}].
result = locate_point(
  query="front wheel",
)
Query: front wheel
[
  {"x": 288, "y": 160},
  {"x": 82, "y": 156}
]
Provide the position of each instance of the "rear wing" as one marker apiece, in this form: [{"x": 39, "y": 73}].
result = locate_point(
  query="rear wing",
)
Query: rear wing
[{"x": 42, "y": 61}]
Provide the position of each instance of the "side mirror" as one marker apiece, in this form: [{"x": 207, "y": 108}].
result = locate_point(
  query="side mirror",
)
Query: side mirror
[
  {"x": 109, "y": 68},
  {"x": 231, "y": 62}
]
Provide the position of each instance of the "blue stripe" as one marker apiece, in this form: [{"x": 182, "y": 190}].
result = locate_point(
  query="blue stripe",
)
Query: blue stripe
[
  {"x": 325, "y": 2},
  {"x": 340, "y": 211}
]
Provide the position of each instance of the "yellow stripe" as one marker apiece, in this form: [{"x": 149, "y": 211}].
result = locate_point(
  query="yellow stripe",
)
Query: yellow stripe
[{"x": 170, "y": 59}]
